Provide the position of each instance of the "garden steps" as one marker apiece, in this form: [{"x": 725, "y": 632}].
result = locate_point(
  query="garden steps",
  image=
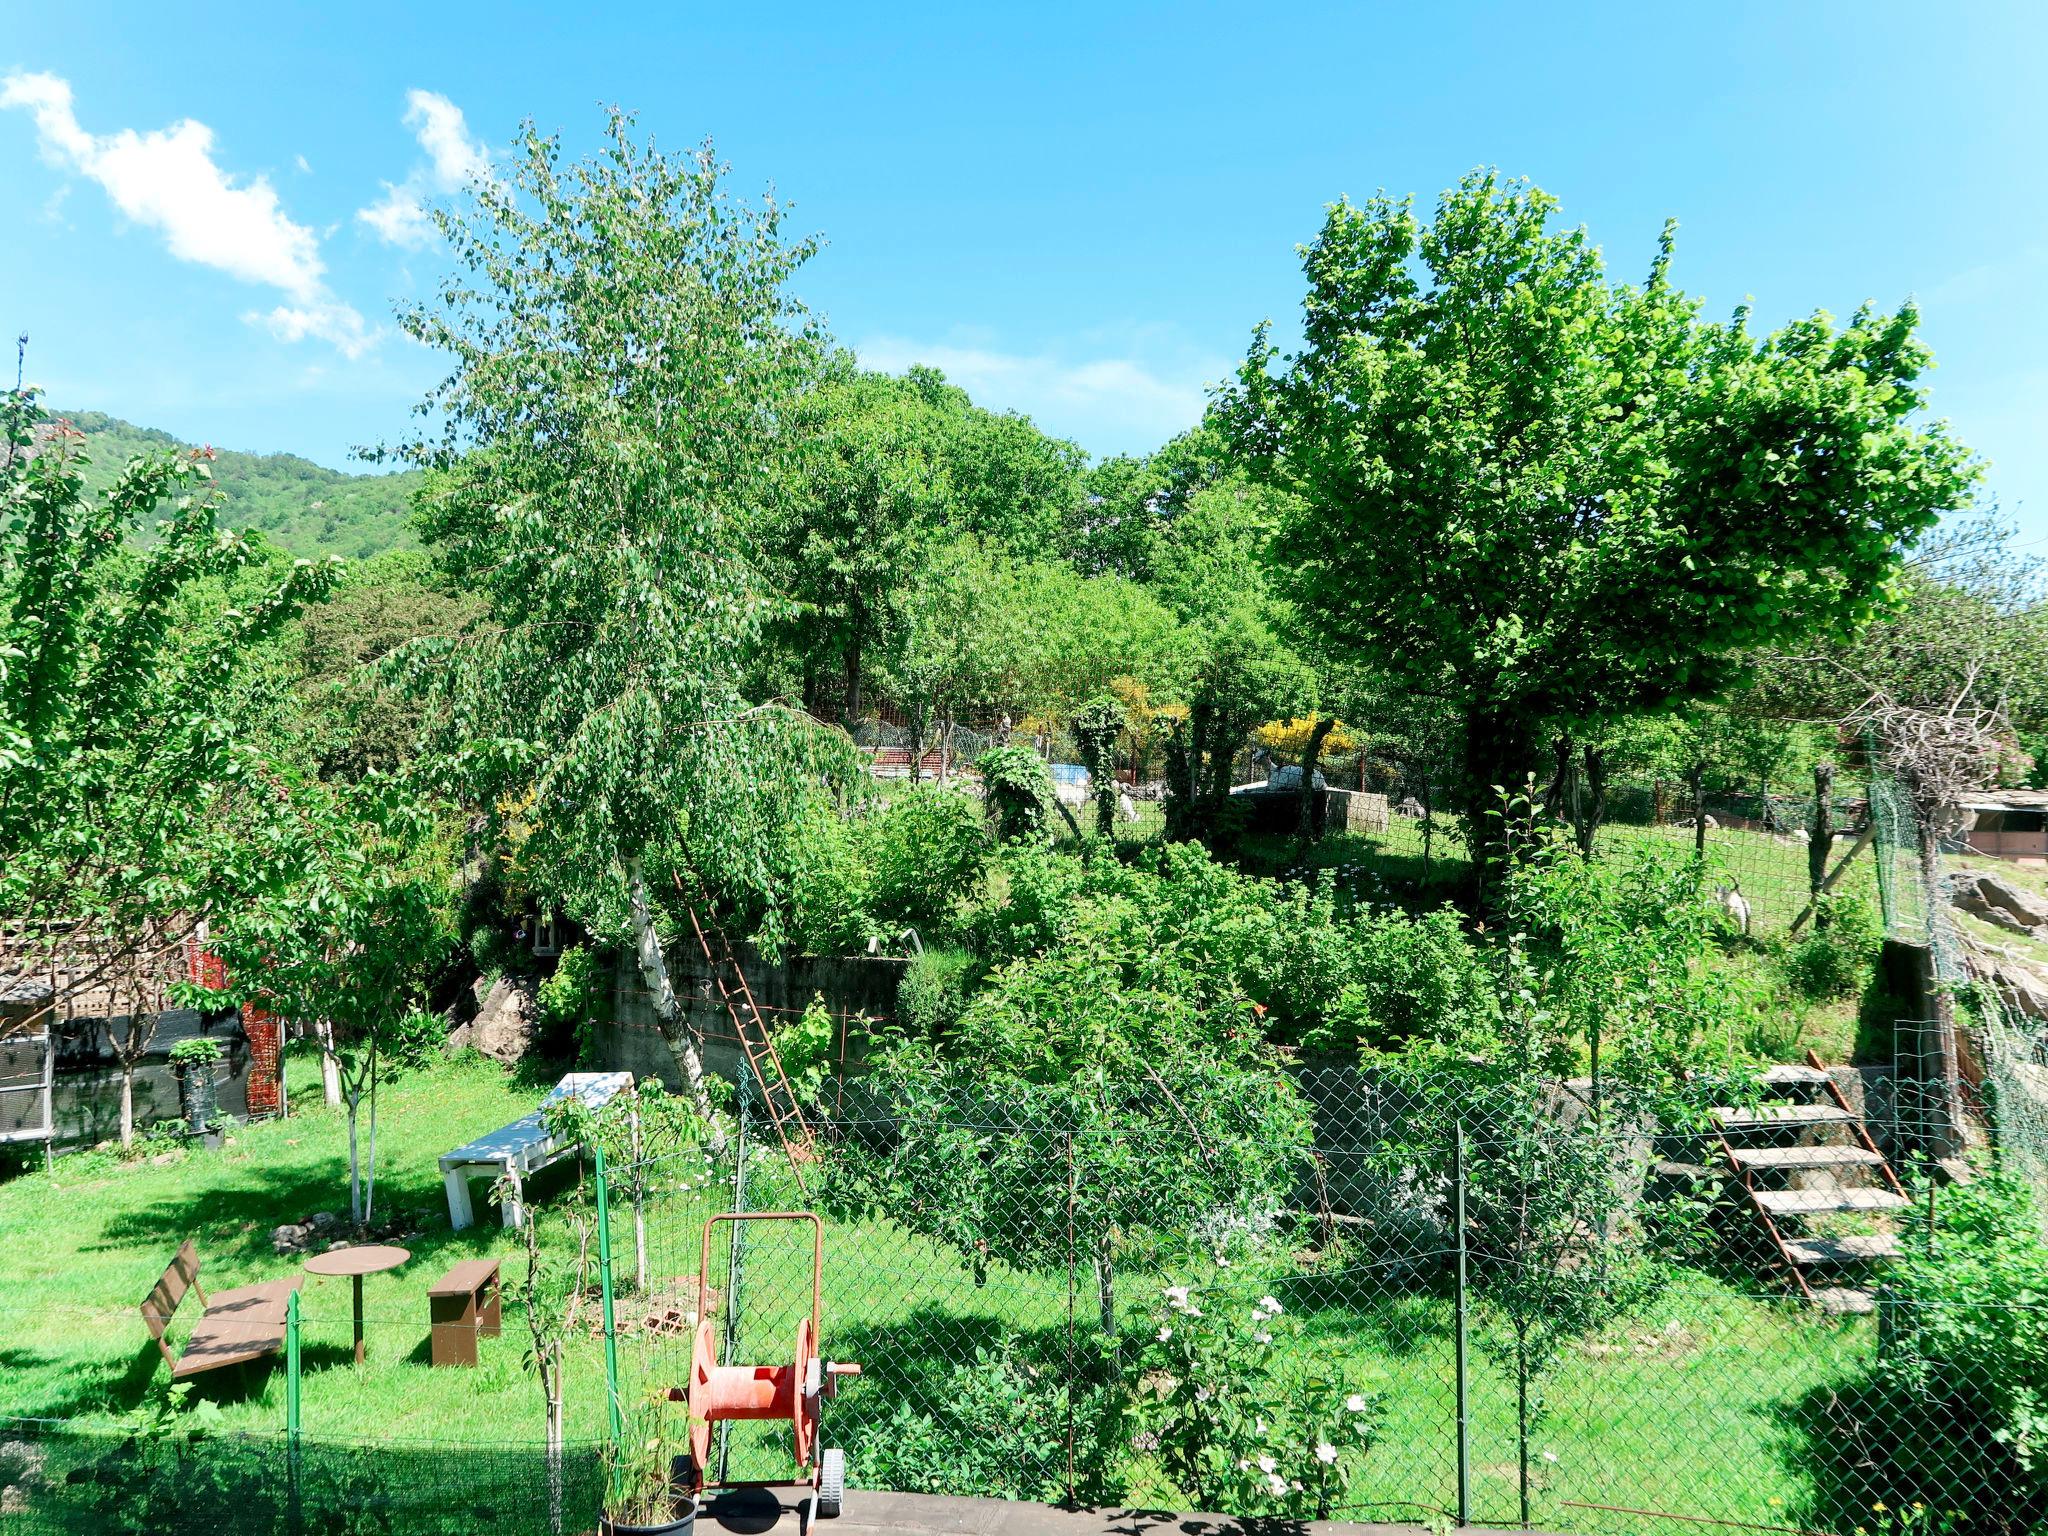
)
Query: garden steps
[
  {"x": 1812, "y": 1110},
  {"x": 1842, "y": 1250},
  {"x": 1822, "y": 1202},
  {"x": 1800, "y": 1159}
]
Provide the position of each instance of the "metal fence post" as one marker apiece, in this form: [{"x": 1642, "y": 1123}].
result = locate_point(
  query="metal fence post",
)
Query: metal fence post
[
  {"x": 735, "y": 1252},
  {"x": 1464, "y": 1340},
  {"x": 291, "y": 1368},
  {"x": 291, "y": 1407},
  {"x": 604, "y": 1276}
]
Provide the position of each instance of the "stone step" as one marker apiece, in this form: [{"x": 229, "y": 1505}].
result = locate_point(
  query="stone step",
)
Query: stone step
[
  {"x": 1842, "y": 1250},
  {"x": 1786, "y": 1075},
  {"x": 1820, "y": 1202},
  {"x": 1732, "y": 1117},
  {"x": 1843, "y": 1299},
  {"x": 1794, "y": 1158}
]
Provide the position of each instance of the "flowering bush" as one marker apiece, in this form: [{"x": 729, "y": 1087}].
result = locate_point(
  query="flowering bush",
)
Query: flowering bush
[{"x": 1240, "y": 1432}]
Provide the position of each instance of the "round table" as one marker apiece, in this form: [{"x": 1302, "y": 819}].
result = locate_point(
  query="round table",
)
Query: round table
[{"x": 368, "y": 1259}]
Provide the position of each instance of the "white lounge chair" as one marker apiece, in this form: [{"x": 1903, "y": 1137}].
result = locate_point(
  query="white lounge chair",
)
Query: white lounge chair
[{"x": 521, "y": 1148}]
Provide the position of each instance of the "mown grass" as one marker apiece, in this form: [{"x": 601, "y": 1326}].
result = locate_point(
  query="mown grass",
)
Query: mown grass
[{"x": 1690, "y": 1405}]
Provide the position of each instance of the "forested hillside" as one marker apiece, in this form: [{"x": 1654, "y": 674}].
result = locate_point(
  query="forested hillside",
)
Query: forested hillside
[{"x": 305, "y": 507}]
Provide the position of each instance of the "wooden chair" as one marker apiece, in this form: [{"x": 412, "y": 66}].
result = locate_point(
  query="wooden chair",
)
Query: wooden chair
[{"x": 235, "y": 1327}]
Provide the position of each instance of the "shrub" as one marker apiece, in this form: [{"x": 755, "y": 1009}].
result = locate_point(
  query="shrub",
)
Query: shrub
[
  {"x": 1235, "y": 1429},
  {"x": 828, "y": 885},
  {"x": 992, "y": 1427},
  {"x": 934, "y": 990},
  {"x": 570, "y": 1001},
  {"x": 416, "y": 1036},
  {"x": 1019, "y": 790},
  {"x": 1834, "y": 957},
  {"x": 199, "y": 1051},
  {"x": 924, "y": 855},
  {"x": 1957, "y": 1397}
]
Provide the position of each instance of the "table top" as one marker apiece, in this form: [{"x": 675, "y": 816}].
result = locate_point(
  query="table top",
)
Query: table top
[{"x": 368, "y": 1259}]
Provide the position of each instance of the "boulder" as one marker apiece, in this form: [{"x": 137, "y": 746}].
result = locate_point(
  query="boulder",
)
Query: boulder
[
  {"x": 503, "y": 1027},
  {"x": 1995, "y": 900}
]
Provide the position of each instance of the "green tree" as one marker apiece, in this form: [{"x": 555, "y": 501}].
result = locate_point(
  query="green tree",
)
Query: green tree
[
  {"x": 1562, "y": 499},
  {"x": 130, "y": 701},
  {"x": 625, "y": 355},
  {"x": 350, "y": 918}
]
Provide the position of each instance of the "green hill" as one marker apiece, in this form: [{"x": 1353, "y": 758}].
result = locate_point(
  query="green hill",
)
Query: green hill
[{"x": 301, "y": 506}]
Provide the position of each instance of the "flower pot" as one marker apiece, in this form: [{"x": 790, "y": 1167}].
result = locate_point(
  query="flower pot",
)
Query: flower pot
[
  {"x": 684, "y": 1522},
  {"x": 196, "y": 1097}
]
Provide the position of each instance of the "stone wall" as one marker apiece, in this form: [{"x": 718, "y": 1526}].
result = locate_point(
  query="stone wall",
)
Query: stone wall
[{"x": 853, "y": 987}]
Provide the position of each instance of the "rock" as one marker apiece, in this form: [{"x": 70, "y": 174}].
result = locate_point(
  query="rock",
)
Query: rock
[
  {"x": 2021, "y": 987},
  {"x": 1290, "y": 778},
  {"x": 503, "y": 1028},
  {"x": 1997, "y": 901},
  {"x": 322, "y": 1221},
  {"x": 1409, "y": 806},
  {"x": 290, "y": 1239}
]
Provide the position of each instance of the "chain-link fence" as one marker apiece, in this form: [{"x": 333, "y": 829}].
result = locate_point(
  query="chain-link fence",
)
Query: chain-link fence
[
  {"x": 1430, "y": 1297},
  {"x": 59, "y": 1479}
]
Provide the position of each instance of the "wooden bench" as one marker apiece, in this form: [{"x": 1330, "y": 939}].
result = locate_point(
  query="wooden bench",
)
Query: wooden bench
[
  {"x": 236, "y": 1327},
  {"x": 516, "y": 1151},
  {"x": 463, "y": 1304}
]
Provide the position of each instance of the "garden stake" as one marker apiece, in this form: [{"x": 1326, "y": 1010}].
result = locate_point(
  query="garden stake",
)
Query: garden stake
[
  {"x": 1464, "y": 1379},
  {"x": 604, "y": 1280},
  {"x": 291, "y": 1401}
]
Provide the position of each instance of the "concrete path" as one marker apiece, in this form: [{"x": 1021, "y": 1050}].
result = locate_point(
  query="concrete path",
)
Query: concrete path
[{"x": 917, "y": 1514}]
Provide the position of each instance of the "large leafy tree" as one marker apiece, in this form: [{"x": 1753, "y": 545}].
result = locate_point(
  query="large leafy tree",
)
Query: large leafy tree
[
  {"x": 1561, "y": 498},
  {"x": 625, "y": 359},
  {"x": 132, "y": 699}
]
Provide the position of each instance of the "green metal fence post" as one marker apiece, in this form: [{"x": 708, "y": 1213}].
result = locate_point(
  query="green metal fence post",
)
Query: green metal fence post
[
  {"x": 604, "y": 1276},
  {"x": 1463, "y": 1344},
  {"x": 291, "y": 1368},
  {"x": 291, "y": 1408}
]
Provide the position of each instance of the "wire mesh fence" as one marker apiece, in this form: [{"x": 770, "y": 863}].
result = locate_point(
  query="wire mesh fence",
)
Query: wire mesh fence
[{"x": 1076, "y": 1312}]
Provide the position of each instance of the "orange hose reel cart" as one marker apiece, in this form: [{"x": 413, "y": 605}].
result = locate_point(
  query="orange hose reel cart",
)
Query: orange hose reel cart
[{"x": 718, "y": 1392}]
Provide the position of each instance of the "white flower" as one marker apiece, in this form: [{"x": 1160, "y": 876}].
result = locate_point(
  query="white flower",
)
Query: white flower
[
  {"x": 1202, "y": 1394},
  {"x": 1268, "y": 1305},
  {"x": 1177, "y": 1297},
  {"x": 1267, "y": 1464},
  {"x": 1276, "y": 1482},
  {"x": 1258, "y": 1426},
  {"x": 1326, "y": 1453},
  {"x": 1260, "y": 1336},
  {"x": 1550, "y": 1456},
  {"x": 1355, "y": 1403},
  {"x": 1165, "y": 1333}
]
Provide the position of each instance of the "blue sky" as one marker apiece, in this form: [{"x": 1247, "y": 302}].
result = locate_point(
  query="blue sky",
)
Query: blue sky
[{"x": 1079, "y": 212}]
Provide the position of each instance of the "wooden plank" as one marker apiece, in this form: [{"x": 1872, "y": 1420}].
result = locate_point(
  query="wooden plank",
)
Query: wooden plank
[
  {"x": 464, "y": 1278},
  {"x": 1788, "y": 1074},
  {"x": 1792, "y": 1158},
  {"x": 1732, "y": 1117},
  {"x": 1816, "y": 1202},
  {"x": 1843, "y": 1250}
]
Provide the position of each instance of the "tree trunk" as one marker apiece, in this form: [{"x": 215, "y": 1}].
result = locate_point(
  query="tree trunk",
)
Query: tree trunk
[
  {"x": 850, "y": 704},
  {"x": 355, "y": 1171},
  {"x": 1822, "y": 838},
  {"x": 330, "y": 1067},
  {"x": 639, "y": 1204},
  {"x": 370, "y": 1183},
  {"x": 127, "y": 1103},
  {"x": 917, "y": 719},
  {"x": 1105, "y": 1291},
  {"x": 1592, "y": 807},
  {"x": 1500, "y": 744},
  {"x": 1311, "y": 755},
  {"x": 668, "y": 1014},
  {"x": 1699, "y": 810}
]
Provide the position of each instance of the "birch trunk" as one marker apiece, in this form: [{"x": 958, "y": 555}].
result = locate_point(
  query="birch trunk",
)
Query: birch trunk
[
  {"x": 127, "y": 1103},
  {"x": 668, "y": 1013}
]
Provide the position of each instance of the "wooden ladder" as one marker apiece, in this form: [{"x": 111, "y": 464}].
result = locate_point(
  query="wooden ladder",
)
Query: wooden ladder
[
  {"x": 1752, "y": 1166},
  {"x": 785, "y": 1110}
]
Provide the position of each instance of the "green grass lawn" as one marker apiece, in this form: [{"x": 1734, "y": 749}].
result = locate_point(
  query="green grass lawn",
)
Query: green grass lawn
[{"x": 1692, "y": 1405}]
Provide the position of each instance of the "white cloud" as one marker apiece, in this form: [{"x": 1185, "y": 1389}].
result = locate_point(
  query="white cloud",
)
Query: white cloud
[
  {"x": 454, "y": 159},
  {"x": 305, "y": 166},
  {"x": 1127, "y": 402},
  {"x": 167, "y": 180}
]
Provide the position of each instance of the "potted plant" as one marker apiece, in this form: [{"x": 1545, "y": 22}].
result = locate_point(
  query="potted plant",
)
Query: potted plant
[
  {"x": 640, "y": 1496},
  {"x": 193, "y": 1061}
]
